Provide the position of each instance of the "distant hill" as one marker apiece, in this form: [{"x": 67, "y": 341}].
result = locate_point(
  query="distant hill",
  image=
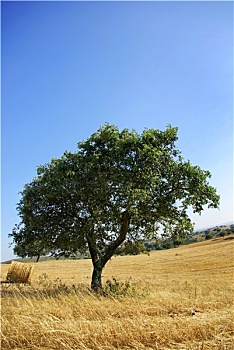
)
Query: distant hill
[
  {"x": 225, "y": 224},
  {"x": 28, "y": 260},
  {"x": 215, "y": 231},
  {"x": 196, "y": 236},
  {"x": 159, "y": 244}
]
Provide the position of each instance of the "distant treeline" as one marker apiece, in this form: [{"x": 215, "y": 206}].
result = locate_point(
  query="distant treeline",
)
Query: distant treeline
[{"x": 214, "y": 232}]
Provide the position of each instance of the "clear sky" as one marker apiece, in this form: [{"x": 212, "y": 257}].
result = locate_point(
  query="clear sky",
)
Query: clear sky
[{"x": 68, "y": 67}]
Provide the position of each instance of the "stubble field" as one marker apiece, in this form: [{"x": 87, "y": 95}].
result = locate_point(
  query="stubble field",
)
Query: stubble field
[{"x": 175, "y": 299}]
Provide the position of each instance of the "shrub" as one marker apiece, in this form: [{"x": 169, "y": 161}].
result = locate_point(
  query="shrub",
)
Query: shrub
[
  {"x": 118, "y": 289},
  {"x": 132, "y": 248},
  {"x": 222, "y": 233}
]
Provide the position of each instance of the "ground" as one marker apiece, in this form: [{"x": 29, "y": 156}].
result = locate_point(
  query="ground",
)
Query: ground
[{"x": 180, "y": 298}]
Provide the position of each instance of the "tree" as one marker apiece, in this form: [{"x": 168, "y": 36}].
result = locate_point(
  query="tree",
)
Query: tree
[
  {"x": 27, "y": 246},
  {"x": 132, "y": 248},
  {"x": 118, "y": 186}
]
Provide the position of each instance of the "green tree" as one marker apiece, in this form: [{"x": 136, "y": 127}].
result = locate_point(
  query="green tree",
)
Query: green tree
[
  {"x": 118, "y": 186},
  {"x": 132, "y": 248},
  {"x": 28, "y": 246}
]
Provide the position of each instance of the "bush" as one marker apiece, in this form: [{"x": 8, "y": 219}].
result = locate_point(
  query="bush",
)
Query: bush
[
  {"x": 209, "y": 236},
  {"x": 222, "y": 233},
  {"x": 189, "y": 240},
  {"x": 118, "y": 289},
  {"x": 132, "y": 248},
  {"x": 167, "y": 244}
]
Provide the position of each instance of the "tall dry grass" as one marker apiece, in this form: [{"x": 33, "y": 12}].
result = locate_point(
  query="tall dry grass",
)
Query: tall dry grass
[{"x": 176, "y": 299}]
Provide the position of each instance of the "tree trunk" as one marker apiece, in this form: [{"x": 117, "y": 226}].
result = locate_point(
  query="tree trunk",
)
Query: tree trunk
[
  {"x": 96, "y": 283},
  {"x": 100, "y": 262}
]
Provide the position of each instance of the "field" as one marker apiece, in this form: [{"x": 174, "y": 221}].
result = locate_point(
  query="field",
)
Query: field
[{"x": 180, "y": 298}]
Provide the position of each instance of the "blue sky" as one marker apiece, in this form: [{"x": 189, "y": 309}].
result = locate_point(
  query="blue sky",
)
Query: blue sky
[{"x": 68, "y": 67}]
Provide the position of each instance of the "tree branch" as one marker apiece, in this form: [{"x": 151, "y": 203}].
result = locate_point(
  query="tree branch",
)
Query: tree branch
[{"x": 120, "y": 239}]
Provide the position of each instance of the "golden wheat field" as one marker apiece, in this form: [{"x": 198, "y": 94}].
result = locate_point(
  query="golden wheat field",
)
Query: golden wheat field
[{"x": 180, "y": 298}]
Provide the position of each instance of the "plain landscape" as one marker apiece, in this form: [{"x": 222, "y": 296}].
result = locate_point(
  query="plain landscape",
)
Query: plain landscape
[{"x": 180, "y": 298}]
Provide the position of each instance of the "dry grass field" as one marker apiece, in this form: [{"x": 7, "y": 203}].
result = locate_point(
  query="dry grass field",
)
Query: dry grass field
[{"x": 180, "y": 298}]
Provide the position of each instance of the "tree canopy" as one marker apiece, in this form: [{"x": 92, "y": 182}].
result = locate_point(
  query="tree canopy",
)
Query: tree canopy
[{"x": 118, "y": 186}]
